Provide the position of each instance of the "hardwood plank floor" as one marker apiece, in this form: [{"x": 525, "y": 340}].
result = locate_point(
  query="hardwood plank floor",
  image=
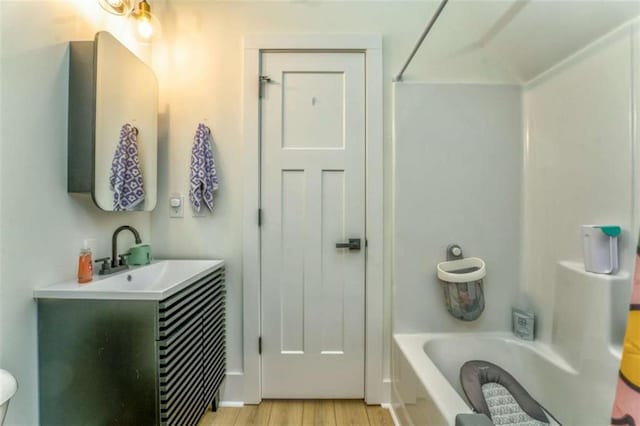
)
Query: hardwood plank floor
[
  {"x": 378, "y": 416},
  {"x": 351, "y": 413},
  {"x": 300, "y": 413},
  {"x": 226, "y": 417},
  {"x": 320, "y": 412},
  {"x": 255, "y": 415},
  {"x": 286, "y": 413}
]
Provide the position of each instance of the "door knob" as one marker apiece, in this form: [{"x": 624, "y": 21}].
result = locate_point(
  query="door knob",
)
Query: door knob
[{"x": 353, "y": 244}]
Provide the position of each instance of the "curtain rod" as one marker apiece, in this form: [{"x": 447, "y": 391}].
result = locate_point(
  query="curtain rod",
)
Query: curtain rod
[{"x": 433, "y": 20}]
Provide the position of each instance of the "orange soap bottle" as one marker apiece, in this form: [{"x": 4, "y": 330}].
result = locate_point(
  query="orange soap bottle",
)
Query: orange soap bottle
[{"x": 85, "y": 264}]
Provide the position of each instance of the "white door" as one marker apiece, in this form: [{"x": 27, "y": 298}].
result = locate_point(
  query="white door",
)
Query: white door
[{"x": 313, "y": 197}]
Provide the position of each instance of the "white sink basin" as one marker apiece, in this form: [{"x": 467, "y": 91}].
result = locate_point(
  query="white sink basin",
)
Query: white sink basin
[{"x": 157, "y": 281}]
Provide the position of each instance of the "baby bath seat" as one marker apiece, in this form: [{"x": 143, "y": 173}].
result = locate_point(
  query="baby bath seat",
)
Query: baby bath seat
[{"x": 497, "y": 394}]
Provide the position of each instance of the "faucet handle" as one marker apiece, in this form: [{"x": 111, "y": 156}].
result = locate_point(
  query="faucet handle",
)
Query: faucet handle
[
  {"x": 105, "y": 264},
  {"x": 123, "y": 258}
]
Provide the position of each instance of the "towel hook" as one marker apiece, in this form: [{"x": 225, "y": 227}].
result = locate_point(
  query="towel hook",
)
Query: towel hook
[{"x": 204, "y": 123}]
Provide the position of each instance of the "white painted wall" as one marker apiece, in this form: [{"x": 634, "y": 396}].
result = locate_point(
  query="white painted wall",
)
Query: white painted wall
[
  {"x": 199, "y": 66},
  {"x": 581, "y": 162},
  {"x": 458, "y": 151},
  {"x": 580, "y": 154},
  {"x": 42, "y": 226},
  {"x": 1, "y": 191}
]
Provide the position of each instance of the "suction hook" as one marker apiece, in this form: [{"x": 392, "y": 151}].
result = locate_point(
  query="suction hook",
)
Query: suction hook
[{"x": 454, "y": 252}]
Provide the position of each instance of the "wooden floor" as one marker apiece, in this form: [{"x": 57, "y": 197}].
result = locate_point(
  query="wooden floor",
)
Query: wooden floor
[{"x": 300, "y": 413}]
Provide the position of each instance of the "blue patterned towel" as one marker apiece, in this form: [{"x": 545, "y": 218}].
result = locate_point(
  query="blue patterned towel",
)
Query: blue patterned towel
[
  {"x": 126, "y": 178},
  {"x": 204, "y": 180}
]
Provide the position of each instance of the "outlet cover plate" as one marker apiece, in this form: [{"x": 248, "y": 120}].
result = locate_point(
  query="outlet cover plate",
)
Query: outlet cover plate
[{"x": 176, "y": 212}]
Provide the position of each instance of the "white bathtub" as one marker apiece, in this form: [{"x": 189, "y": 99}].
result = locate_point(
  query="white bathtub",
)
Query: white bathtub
[
  {"x": 427, "y": 391},
  {"x": 574, "y": 376}
]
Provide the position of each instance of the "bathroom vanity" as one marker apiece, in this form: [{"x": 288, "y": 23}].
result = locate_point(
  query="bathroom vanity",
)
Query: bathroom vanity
[{"x": 144, "y": 346}]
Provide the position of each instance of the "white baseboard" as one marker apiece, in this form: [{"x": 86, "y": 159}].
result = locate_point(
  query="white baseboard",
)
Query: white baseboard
[
  {"x": 394, "y": 417},
  {"x": 233, "y": 396},
  {"x": 386, "y": 391},
  {"x": 233, "y": 389},
  {"x": 231, "y": 404}
]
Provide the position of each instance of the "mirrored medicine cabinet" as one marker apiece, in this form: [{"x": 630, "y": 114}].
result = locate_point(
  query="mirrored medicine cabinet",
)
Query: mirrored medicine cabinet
[{"x": 112, "y": 90}]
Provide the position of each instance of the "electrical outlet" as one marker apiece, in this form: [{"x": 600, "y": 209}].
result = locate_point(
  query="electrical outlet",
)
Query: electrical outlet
[{"x": 176, "y": 205}]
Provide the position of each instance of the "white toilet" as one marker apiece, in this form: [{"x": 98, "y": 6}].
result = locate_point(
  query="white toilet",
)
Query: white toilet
[{"x": 8, "y": 388}]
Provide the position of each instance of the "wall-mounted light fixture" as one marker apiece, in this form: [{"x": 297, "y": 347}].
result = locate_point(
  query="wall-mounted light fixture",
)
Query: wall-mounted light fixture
[
  {"x": 144, "y": 24},
  {"x": 117, "y": 7}
]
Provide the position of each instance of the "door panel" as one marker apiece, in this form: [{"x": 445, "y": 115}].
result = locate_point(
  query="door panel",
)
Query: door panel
[
  {"x": 333, "y": 271},
  {"x": 311, "y": 120},
  {"x": 312, "y": 196},
  {"x": 292, "y": 296}
]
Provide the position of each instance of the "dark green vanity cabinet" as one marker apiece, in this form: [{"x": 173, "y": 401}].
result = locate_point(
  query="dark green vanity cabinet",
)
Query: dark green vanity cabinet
[{"x": 133, "y": 362}]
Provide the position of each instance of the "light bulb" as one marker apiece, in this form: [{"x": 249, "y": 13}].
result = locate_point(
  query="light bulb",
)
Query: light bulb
[
  {"x": 144, "y": 25},
  {"x": 115, "y": 3},
  {"x": 145, "y": 29}
]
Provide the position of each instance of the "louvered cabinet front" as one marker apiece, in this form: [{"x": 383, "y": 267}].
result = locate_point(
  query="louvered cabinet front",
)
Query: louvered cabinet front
[
  {"x": 214, "y": 346},
  {"x": 191, "y": 350}
]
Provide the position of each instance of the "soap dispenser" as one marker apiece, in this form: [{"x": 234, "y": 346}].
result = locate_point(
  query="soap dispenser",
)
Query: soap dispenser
[{"x": 85, "y": 264}]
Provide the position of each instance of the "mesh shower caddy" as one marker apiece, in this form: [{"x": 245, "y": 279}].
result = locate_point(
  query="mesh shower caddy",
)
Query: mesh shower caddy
[{"x": 461, "y": 280}]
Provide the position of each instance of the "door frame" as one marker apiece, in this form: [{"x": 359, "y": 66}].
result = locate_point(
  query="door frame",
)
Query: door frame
[{"x": 371, "y": 46}]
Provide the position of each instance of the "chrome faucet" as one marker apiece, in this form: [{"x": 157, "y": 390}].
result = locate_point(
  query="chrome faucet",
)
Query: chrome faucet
[{"x": 117, "y": 265}]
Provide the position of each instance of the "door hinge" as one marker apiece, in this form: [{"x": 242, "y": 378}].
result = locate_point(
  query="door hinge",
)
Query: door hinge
[
  {"x": 260, "y": 345},
  {"x": 261, "y": 81},
  {"x": 259, "y": 217}
]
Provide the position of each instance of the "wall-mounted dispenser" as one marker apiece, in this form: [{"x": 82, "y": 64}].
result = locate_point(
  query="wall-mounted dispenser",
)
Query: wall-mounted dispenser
[
  {"x": 600, "y": 248},
  {"x": 461, "y": 281}
]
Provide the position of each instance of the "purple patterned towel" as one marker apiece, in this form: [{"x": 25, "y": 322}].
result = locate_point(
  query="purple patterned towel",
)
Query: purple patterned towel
[
  {"x": 204, "y": 180},
  {"x": 126, "y": 178}
]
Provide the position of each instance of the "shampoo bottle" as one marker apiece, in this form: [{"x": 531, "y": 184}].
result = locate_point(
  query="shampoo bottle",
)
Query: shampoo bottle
[{"x": 85, "y": 264}]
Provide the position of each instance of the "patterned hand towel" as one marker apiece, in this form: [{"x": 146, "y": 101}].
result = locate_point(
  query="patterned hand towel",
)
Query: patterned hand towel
[
  {"x": 204, "y": 180},
  {"x": 126, "y": 177}
]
